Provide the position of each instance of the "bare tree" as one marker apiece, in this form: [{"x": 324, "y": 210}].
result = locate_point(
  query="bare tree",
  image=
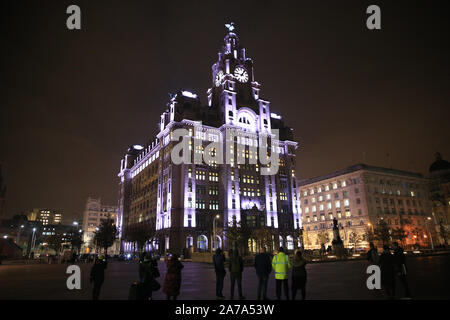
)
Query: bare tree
[{"x": 354, "y": 238}]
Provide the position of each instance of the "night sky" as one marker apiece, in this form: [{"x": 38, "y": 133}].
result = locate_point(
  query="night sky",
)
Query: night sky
[{"x": 73, "y": 101}]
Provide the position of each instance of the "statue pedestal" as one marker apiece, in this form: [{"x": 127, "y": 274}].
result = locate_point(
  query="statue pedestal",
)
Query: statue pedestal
[{"x": 338, "y": 248}]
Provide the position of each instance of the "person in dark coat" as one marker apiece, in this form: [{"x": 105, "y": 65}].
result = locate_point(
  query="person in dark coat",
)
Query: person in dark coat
[
  {"x": 172, "y": 281},
  {"x": 236, "y": 267},
  {"x": 263, "y": 266},
  {"x": 372, "y": 254},
  {"x": 98, "y": 275},
  {"x": 146, "y": 277},
  {"x": 400, "y": 268},
  {"x": 219, "y": 268},
  {"x": 299, "y": 275},
  {"x": 387, "y": 272}
]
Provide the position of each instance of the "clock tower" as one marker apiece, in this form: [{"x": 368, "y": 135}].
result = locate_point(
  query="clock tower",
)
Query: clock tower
[{"x": 235, "y": 93}]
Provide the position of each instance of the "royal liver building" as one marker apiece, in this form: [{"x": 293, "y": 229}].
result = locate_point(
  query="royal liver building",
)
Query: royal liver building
[{"x": 217, "y": 173}]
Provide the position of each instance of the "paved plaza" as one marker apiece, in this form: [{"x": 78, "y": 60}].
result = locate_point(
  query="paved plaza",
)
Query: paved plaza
[{"x": 428, "y": 279}]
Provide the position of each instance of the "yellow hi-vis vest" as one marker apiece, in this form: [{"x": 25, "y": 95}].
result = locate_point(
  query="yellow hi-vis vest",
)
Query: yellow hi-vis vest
[{"x": 281, "y": 265}]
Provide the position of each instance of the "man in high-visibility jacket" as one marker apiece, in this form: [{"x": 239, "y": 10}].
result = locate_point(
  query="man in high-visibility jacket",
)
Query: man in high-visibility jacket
[{"x": 281, "y": 265}]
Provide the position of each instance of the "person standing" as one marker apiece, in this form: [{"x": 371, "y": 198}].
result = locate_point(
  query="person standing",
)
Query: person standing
[
  {"x": 299, "y": 275},
  {"x": 98, "y": 275},
  {"x": 372, "y": 254},
  {"x": 281, "y": 265},
  {"x": 387, "y": 272},
  {"x": 236, "y": 267},
  {"x": 219, "y": 268},
  {"x": 146, "y": 277},
  {"x": 263, "y": 269},
  {"x": 400, "y": 268},
  {"x": 172, "y": 281}
]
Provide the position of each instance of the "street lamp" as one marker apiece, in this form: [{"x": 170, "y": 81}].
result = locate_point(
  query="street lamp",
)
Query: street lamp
[
  {"x": 33, "y": 238},
  {"x": 18, "y": 235},
  {"x": 428, "y": 230},
  {"x": 214, "y": 231}
]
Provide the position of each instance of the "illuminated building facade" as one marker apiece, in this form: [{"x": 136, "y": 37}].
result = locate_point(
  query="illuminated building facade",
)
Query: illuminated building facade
[
  {"x": 94, "y": 213},
  {"x": 189, "y": 205},
  {"x": 359, "y": 197},
  {"x": 440, "y": 198},
  {"x": 46, "y": 216}
]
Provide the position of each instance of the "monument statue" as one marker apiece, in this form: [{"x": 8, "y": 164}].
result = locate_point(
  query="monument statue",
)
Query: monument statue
[{"x": 337, "y": 243}]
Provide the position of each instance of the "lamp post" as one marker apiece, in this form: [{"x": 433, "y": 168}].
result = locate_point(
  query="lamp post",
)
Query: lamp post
[
  {"x": 18, "y": 235},
  {"x": 429, "y": 233},
  {"x": 74, "y": 229},
  {"x": 96, "y": 229},
  {"x": 33, "y": 238},
  {"x": 214, "y": 231}
]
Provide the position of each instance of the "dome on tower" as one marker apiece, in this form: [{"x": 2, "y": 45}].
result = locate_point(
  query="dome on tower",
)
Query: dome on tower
[{"x": 440, "y": 164}]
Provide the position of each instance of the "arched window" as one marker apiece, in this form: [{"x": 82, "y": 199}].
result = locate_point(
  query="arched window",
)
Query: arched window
[
  {"x": 202, "y": 242},
  {"x": 217, "y": 242}
]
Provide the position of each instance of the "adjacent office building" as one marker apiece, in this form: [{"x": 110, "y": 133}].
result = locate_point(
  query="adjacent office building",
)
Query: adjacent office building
[
  {"x": 46, "y": 216},
  {"x": 94, "y": 213},
  {"x": 359, "y": 197},
  {"x": 440, "y": 198}
]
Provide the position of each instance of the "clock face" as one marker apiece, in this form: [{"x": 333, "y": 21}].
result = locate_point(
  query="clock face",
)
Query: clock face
[
  {"x": 241, "y": 74},
  {"x": 219, "y": 77}
]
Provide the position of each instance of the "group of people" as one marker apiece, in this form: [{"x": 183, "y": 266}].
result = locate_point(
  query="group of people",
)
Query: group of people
[
  {"x": 263, "y": 265},
  {"x": 392, "y": 266},
  {"x": 148, "y": 273}
]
